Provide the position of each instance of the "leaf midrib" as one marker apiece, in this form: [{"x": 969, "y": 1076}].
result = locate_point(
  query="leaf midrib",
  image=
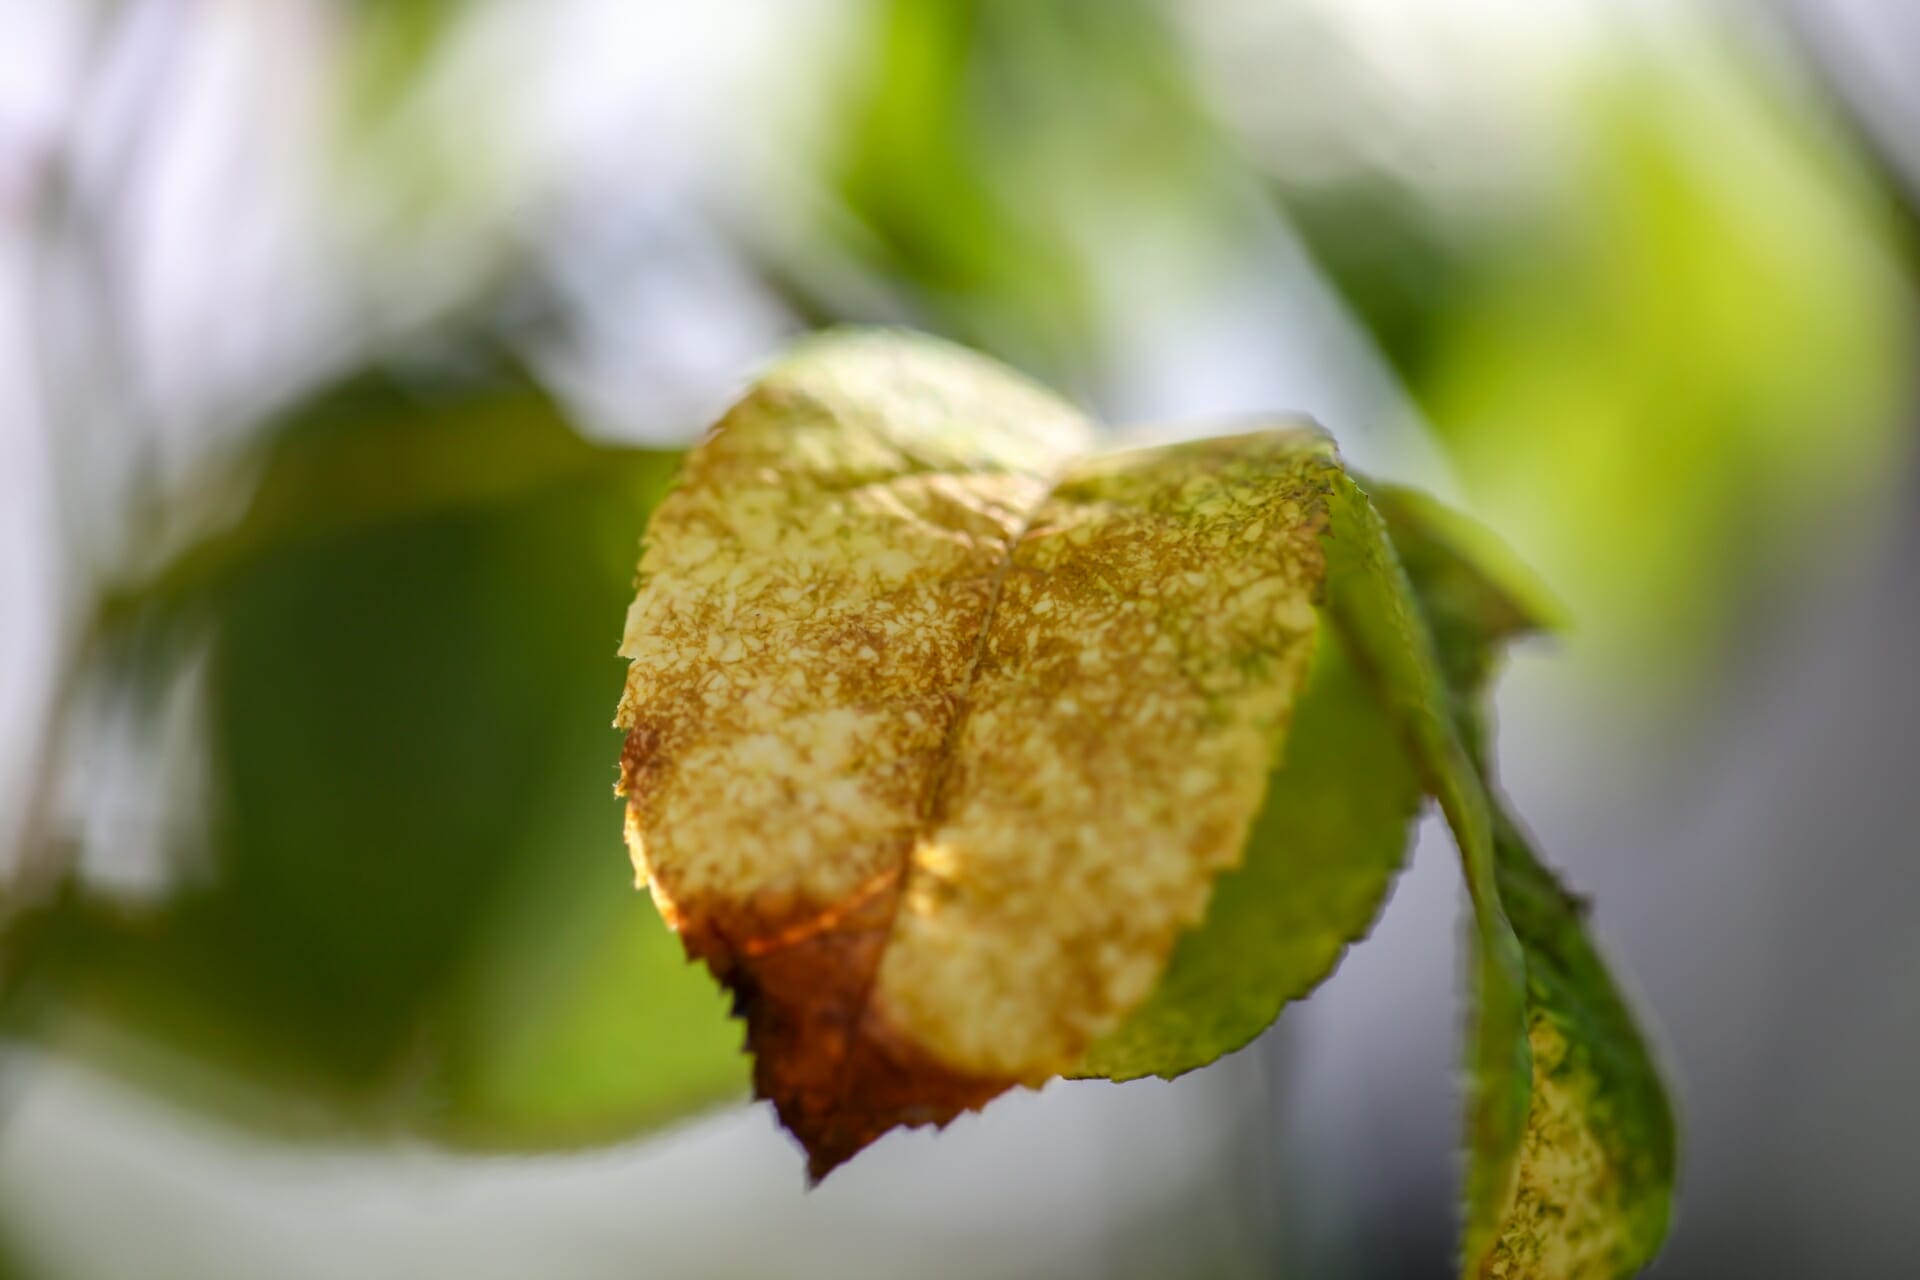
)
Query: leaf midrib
[{"x": 933, "y": 802}]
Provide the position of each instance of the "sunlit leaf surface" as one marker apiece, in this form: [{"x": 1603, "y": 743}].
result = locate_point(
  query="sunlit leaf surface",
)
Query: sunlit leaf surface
[{"x": 940, "y": 727}]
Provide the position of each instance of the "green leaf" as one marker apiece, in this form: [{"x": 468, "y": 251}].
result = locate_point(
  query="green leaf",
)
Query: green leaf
[
  {"x": 379, "y": 448},
  {"x": 1473, "y": 595},
  {"x": 1370, "y": 597},
  {"x": 408, "y": 912},
  {"x": 1596, "y": 1165},
  {"x": 1327, "y": 843},
  {"x": 1004, "y": 234}
]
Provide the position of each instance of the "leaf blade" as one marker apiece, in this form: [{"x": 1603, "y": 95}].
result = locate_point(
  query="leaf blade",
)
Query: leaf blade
[
  {"x": 1372, "y": 600},
  {"x": 1597, "y": 1161},
  {"x": 964, "y": 865},
  {"x": 1322, "y": 855},
  {"x": 814, "y": 593}
]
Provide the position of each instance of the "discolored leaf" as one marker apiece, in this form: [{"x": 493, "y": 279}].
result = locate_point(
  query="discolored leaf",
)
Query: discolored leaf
[
  {"x": 1373, "y": 603},
  {"x": 1333, "y": 832},
  {"x": 939, "y": 730},
  {"x": 1596, "y": 1163}
]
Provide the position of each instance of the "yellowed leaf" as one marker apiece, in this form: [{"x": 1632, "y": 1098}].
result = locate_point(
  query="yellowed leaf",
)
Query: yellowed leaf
[{"x": 939, "y": 727}]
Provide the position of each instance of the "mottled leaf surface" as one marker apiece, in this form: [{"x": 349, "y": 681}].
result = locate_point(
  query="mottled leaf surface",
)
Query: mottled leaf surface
[
  {"x": 1596, "y": 1162},
  {"x": 1373, "y": 602},
  {"x": 940, "y": 728},
  {"x": 1322, "y": 854}
]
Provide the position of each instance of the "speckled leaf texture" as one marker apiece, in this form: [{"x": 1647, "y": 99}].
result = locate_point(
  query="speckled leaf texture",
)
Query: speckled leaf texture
[
  {"x": 1315, "y": 872},
  {"x": 1375, "y": 609},
  {"x": 940, "y": 726},
  {"x": 967, "y": 756},
  {"x": 1594, "y": 1175}
]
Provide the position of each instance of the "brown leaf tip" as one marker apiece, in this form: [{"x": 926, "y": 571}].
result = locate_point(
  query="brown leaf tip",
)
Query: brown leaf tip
[{"x": 838, "y": 1077}]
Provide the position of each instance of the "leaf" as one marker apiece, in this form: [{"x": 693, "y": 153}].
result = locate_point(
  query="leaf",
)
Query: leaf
[
  {"x": 1335, "y": 825},
  {"x": 407, "y": 914},
  {"x": 940, "y": 729},
  {"x": 1370, "y": 597},
  {"x": 375, "y": 450},
  {"x": 1596, "y": 1165},
  {"x": 1333, "y": 832},
  {"x": 1470, "y": 591}
]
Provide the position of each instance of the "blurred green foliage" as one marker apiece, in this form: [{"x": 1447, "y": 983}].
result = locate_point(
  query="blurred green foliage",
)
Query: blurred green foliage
[
  {"x": 415, "y": 911},
  {"x": 978, "y": 146},
  {"x": 921, "y": 167},
  {"x": 12, "y": 1266},
  {"x": 1682, "y": 360},
  {"x": 391, "y": 47},
  {"x": 1696, "y": 367}
]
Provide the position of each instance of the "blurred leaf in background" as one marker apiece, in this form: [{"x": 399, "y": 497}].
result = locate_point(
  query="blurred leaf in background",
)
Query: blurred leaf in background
[
  {"x": 429, "y": 160},
  {"x": 412, "y": 912},
  {"x": 1674, "y": 355},
  {"x": 983, "y": 152},
  {"x": 391, "y": 47},
  {"x": 12, "y": 1266}
]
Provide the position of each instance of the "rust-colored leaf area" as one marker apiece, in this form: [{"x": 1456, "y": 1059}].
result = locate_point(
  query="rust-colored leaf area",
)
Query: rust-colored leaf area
[{"x": 939, "y": 729}]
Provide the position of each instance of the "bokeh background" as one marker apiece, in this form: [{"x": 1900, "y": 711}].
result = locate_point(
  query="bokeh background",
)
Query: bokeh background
[{"x": 343, "y": 347}]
